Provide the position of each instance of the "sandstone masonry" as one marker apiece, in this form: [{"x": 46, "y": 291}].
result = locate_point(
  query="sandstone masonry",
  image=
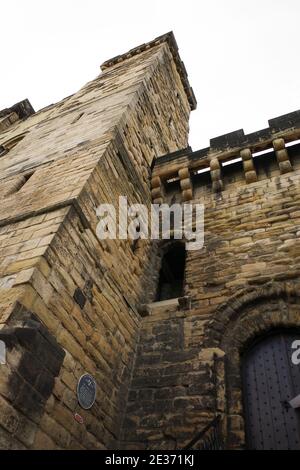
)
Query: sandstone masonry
[{"x": 71, "y": 304}]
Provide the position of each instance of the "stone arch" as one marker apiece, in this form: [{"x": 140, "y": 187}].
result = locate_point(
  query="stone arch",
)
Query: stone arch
[
  {"x": 251, "y": 314},
  {"x": 234, "y": 308}
]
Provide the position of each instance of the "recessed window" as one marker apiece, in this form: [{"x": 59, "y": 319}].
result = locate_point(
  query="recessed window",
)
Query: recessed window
[
  {"x": 171, "y": 277},
  {"x": 3, "y": 150},
  {"x": 5, "y": 147},
  {"x": 79, "y": 116},
  {"x": 20, "y": 183}
]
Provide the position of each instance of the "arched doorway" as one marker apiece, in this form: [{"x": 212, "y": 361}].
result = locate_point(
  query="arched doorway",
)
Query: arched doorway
[{"x": 271, "y": 378}]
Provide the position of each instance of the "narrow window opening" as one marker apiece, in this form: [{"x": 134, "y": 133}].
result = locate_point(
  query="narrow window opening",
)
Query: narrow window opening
[
  {"x": 11, "y": 143},
  {"x": 3, "y": 151},
  {"x": 171, "y": 277},
  {"x": 28, "y": 176},
  {"x": 79, "y": 116},
  {"x": 22, "y": 182}
]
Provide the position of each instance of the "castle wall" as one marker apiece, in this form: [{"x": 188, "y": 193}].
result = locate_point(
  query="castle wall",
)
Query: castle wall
[
  {"x": 70, "y": 303},
  {"x": 241, "y": 284},
  {"x": 64, "y": 285}
]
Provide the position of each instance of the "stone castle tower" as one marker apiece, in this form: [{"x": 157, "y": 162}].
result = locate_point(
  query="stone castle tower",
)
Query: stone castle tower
[{"x": 186, "y": 348}]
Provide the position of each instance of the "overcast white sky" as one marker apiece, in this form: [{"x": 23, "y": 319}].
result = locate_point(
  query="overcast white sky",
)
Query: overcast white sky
[{"x": 242, "y": 56}]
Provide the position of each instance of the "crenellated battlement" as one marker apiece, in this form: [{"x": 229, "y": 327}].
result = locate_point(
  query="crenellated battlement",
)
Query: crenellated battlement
[
  {"x": 9, "y": 116},
  {"x": 238, "y": 152}
]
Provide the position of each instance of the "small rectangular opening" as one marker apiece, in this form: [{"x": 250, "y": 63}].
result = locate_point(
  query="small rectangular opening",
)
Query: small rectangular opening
[
  {"x": 262, "y": 152},
  {"x": 79, "y": 116},
  {"x": 266, "y": 164},
  {"x": 231, "y": 162},
  {"x": 172, "y": 180},
  {"x": 201, "y": 170},
  {"x": 3, "y": 151},
  {"x": 22, "y": 182},
  {"x": 201, "y": 178},
  {"x": 291, "y": 144},
  {"x": 294, "y": 154},
  {"x": 172, "y": 185}
]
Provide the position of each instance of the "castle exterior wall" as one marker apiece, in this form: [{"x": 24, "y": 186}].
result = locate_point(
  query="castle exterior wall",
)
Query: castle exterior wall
[
  {"x": 59, "y": 282},
  {"x": 72, "y": 304},
  {"x": 242, "y": 284}
]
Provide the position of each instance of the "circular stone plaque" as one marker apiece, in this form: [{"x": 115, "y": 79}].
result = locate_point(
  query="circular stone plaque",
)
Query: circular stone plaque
[{"x": 86, "y": 391}]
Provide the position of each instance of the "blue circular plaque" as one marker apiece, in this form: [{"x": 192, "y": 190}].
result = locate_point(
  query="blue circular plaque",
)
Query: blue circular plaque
[{"x": 86, "y": 391}]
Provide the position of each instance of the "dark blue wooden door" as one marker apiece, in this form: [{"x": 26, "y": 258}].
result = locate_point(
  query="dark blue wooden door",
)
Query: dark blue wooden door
[{"x": 271, "y": 378}]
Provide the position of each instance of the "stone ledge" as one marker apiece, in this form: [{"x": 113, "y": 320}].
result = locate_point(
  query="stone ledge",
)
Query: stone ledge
[{"x": 177, "y": 303}]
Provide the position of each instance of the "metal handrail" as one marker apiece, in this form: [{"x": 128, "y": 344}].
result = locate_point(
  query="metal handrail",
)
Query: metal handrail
[{"x": 209, "y": 438}]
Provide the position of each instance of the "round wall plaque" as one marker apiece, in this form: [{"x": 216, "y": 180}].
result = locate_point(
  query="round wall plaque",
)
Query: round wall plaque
[{"x": 86, "y": 391}]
